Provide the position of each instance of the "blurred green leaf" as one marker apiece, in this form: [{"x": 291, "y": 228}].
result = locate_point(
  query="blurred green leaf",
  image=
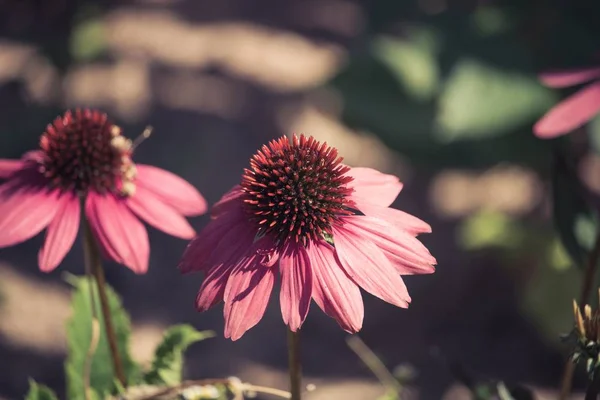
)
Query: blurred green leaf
[
  {"x": 576, "y": 221},
  {"x": 412, "y": 62},
  {"x": 39, "y": 392},
  {"x": 79, "y": 334},
  {"x": 480, "y": 101},
  {"x": 167, "y": 365},
  {"x": 490, "y": 229},
  {"x": 88, "y": 40}
]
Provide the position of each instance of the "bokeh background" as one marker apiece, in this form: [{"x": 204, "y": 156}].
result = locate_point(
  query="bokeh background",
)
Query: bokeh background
[{"x": 442, "y": 93}]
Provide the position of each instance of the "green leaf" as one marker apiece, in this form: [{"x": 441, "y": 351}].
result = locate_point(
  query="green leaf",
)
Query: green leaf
[
  {"x": 39, "y": 392},
  {"x": 79, "y": 334},
  {"x": 481, "y": 101},
  {"x": 576, "y": 221},
  {"x": 167, "y": 365},
  {"x": 413, "y": 63}
]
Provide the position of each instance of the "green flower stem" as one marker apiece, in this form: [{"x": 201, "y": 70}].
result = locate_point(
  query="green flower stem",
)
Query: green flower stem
[
  {"x": 94, "y": 266},
  {"x": 295, "y": 367}
]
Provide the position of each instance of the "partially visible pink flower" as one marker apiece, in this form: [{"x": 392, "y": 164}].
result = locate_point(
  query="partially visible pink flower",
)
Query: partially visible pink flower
[
  {"x": 574, "y": 111},
  {"x": 83, "y": 155},
  {"x": 326, "y": 229}
]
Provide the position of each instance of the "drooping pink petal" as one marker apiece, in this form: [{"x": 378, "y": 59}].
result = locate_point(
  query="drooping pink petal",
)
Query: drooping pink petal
[
  {"x": 570, "y": 114},
  {"x": 368, "y": 267},
  {"x": 213, "y": 287},
  {"x": 333, "y": 290},
  {"x": 232, "y": 248},
  {"x": 560, "y": 79},
  {"x": 374, "y": 187},
  {"x": 198, "y": 252},
  {"x": 61, "y": 233},
  {"x": 296, "y": 286},
  {"x": 121, "y": 236},
  {"x": 8, "y": 167},
  {"x": 173, "y": 190},
  {"x": 26, "y": 207},
  {"x": 400, "y": 219},
  {"x": 154, "y": 211},
  {"x": 229, "y": 201},
  {"x": 407, "y": 253},
  {"x": 246, "y": 295}
]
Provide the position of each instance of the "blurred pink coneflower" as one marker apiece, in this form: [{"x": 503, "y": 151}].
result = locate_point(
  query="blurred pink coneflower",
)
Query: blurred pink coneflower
[
  {"x": 83, "y": 156},
  {"x": 574, "y": 111},
  {"x": 324, "y": 227}
]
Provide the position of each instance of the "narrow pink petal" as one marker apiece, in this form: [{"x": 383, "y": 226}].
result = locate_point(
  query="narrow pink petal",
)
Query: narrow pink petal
[
  {"x": 366, "y": 265},
  {"x": 232, "y": 248},
  {"x": 223, "y": 229},
  {"x": 213, "y": 287},
  {"x": 230, "y": 200},
  {"x": 570, "y": 114},
  {"x": 374, "y": 187},
  {"x": 407, "y": 253},
  {"x": 560, "y": 79},
  {"x": 246, "y": 295},
  {"x": 8, "y": 167},
  {"x": 122, "y": 237},
  {"x": 173, "y": 190},
  {"x": 399, "y": 219},
  {"x": 26, "y": 208},
  {"x": 61, "y": 233},
  {"x": 296, "y": 286},
  {"x": 333, "y": 291},
  {"x": 154, "y": 211}
]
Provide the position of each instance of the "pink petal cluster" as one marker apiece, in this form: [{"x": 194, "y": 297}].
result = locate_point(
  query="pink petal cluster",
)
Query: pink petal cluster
[
  {"x": 366, "y": 244},
  {"x": 574, "y": 111},
  {"x": 37, "y": 196}
]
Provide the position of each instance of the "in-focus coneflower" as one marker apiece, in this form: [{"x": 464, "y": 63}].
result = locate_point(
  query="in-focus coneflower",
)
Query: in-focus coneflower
[
  {"x": 83, "y": 155},
  {"x": 574, "y": 111},
  {"x": 324, "y": 227}
]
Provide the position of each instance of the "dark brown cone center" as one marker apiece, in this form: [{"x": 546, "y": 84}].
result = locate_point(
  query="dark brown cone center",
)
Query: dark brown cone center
[
  {"x": 296, "y": 189},
  {"x": 85, "y": 151}
]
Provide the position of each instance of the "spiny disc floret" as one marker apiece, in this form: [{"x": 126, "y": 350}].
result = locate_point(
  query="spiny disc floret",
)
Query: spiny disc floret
[
  {"x": 296, "y": 189},
  {"x": 84, "y": 151}
]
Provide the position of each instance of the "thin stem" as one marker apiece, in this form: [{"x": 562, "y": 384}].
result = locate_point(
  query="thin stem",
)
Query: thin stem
[
  {"x": 294, "y": 364},
  {"x": 593, "y": 390},
  {"x": 374, "y": 363},
  {"x": 586, "y": 289},
  {"x": 218, "y": 381},
  {"x": 95, "y": 328},
  {"x": 94, "y": 264}
]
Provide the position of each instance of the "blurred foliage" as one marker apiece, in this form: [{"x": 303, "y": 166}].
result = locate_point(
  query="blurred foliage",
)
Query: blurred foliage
[
  {"x": 576, "y": 221},
  {"x": 39, "y": 392},
  {"x": 168, "y": 359},
  {"x": 79, "y": 335}
]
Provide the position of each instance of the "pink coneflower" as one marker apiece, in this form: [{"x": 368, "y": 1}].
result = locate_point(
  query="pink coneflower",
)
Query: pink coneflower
[
  {"x": 574, "y": 111},
  {"x": 84, "y": 156},
  {"x": 324, "y": 227}
]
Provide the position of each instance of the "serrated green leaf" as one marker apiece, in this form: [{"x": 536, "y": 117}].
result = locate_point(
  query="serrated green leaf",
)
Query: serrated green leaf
[
  {"x": 481, "y": 101},
  {"x": 575, "y": 220},
  {"x": 79, "y": 333},
  {"x": 167, "y": 365},
  {"x": 39, "y": 392}
]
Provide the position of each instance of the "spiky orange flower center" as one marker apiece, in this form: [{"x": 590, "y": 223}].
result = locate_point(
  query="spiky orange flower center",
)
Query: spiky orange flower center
[
  {"x": 84, "y": 151},
  {"x": 296, "y": 189}
]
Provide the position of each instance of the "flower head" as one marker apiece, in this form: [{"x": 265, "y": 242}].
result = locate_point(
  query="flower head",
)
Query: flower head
[
  {"x": 322, "y": 226},
  {"x": 577, "y": 109},
  {"x": 84, "y": 157}
]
